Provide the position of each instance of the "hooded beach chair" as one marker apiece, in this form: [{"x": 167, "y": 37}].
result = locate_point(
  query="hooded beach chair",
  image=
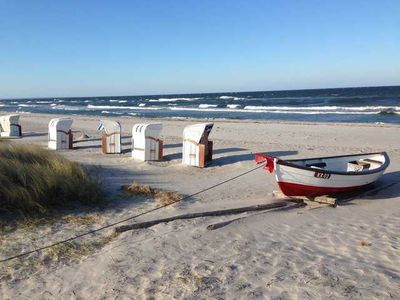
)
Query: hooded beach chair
[
  {"x": 146, "y": 143},
  {"x": 111, "y": 138},
  {"x": 9, "y": 126},
  {"x": 197, "y": 149},
  {"x": 60, "y": 134}
]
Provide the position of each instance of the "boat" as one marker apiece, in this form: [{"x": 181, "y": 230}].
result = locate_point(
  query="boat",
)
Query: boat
[{"x": 313, "y": 177}]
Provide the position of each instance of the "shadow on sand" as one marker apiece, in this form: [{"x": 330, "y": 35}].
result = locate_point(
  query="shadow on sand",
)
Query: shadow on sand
[
  {"x": 227, "y": 160},
  {"x": 32, "y": 134},
  {"x": 387, "y": 187}
]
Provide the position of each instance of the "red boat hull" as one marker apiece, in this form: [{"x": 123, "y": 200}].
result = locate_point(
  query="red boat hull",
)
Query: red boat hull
[{"x": 294, "y": 189}]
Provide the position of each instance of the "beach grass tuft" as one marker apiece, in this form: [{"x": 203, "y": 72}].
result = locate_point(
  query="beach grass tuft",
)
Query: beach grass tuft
[
  {"x": 140, "y": 189},
  {"x": 166, "y": 198},
  {"x": 33, "y": 180},
  {"x": 163, "y": 197}
]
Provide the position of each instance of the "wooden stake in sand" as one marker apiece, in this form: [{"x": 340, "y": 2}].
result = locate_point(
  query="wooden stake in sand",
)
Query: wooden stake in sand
[{"x": 202, "y": 214}]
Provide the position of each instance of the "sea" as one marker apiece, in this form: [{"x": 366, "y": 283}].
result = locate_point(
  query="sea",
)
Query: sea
[{"x": 356, "y": 105}]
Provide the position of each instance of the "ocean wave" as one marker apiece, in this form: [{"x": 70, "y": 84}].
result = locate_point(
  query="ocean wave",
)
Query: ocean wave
[
  {"x": 276, "y": 111},
  {"x": 207, "y": 105},
  {"x": 233, "y": 106},
  {"x": 390, "y": 111},
  {"x": 44, "y": 102},
  {"x": 325, "y": 108},
  {"x": 172, "y": 99},
  {"x": 27, "y": 105},
  {"x": 232, "y": 98},
  {"x": 142, "y": 104},
  {"x": 66, "y": 107},
  {"x": 118, "y": 100},
  {"x": 90, "y": 106},
  {"x": 111, "y": 112},
  {"x": 23, "y": 112}
]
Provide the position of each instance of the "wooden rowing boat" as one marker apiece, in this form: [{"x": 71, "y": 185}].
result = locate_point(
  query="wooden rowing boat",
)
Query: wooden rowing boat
[{"x": 319, "y": 176}]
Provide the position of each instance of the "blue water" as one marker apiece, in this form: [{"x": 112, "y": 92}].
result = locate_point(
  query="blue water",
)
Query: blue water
[{"x": 367, "y": 105}]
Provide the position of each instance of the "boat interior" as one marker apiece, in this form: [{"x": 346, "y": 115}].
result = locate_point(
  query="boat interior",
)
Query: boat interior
[{"x": 353, "y": 163}]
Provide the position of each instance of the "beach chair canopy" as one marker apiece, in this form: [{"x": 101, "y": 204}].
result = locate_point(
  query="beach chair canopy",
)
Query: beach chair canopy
[
  {"x": 111, "y": 138},
  {"x": 147, "y": 130},
  {"x": 60, "y": 124},
  {"x": 111, "y": 126},
  {"x": 146, "y": 143},
  {"x": 60, "y": 136},
  {"x": 197, "y": 131},
  {"x": 6, "y": 121},
  {"x": 9, "y": 125}
]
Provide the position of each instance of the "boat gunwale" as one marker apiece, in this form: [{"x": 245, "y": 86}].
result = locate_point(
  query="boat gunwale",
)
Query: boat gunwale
[{"x": 289, "y": 163}]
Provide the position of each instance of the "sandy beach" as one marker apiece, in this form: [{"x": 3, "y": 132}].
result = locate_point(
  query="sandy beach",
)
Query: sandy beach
[{"x": 315, "y": 252}]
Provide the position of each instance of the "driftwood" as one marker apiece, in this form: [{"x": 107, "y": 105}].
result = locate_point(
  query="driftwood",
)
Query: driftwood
[
  {"x": 225, "y": 223},
  {"x": 202, "y": 214}
]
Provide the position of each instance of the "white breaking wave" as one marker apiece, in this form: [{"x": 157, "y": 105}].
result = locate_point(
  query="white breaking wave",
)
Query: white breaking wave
[
  {"x": 142, "y": 104},
  {"x": 172, "y": 99},
  {"x": 111, "y": 112},
  {"x": 233, "y": 106},
  {"x": 121, "y": 107},
  {"x": 207, "y": 105},
  {"x": 44, "y": 102},
  {"x": 226, "y": 97},
  {"x": 118, "y": 100},
  {"x": 316, "y": 110},
  {"x": 66, "y": 107},
  {"x": 27, "y": 105},
  {"x": 333, "y": 109}
]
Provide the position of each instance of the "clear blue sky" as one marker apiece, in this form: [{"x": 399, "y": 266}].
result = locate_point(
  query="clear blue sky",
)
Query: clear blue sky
[{"x": 84, "y": 48}]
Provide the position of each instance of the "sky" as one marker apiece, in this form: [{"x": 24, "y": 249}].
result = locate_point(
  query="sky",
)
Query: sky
[{"x": 94, "y": 48}]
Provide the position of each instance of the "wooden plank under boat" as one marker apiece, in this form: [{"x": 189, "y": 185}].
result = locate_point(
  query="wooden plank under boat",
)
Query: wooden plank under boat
[{"x": 319, "y": 176}]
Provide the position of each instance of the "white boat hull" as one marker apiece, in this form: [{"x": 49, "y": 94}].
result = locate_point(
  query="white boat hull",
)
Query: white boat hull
[{"x": 325, "y": 175}]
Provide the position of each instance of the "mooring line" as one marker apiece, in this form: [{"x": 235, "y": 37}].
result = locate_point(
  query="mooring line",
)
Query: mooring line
[{"x": 127, "y": 219}]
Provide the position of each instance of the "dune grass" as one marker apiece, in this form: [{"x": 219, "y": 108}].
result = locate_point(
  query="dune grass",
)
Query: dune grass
[
  {"x": 163, "y": 197},
  {"x": 34, "y": 180}
]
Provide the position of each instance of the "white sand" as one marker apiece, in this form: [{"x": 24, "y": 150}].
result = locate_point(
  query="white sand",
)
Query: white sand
[{"x": 294, "y": 254}]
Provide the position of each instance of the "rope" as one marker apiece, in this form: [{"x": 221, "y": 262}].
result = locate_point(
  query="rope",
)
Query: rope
[{"x": 124, "y": 220}]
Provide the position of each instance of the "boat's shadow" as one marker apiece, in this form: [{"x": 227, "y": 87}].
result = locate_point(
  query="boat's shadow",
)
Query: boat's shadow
[{"x": 387, "y": 187}]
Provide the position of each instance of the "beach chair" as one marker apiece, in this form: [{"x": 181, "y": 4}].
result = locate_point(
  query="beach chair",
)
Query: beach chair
[
  {"x": 197, "y": 149},
  {"x": 146, "y": 142},
  {"x": 111, "y": 138},
  {"x": 9, "y": 126},
  {"x": 60, "y": 134}
]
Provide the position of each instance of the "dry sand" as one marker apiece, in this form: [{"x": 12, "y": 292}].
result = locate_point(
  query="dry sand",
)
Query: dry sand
[{"x": 352, "y": 251}]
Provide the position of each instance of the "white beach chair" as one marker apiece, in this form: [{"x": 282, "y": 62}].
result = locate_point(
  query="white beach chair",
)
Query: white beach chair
[
  {"x": 111, "y": 138},
  {"x": 9, "y": 126},
  {"x": 146, "y": 143},
  {"x": 197, "y": 149},
  {"x": 60, "y": 134}
]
